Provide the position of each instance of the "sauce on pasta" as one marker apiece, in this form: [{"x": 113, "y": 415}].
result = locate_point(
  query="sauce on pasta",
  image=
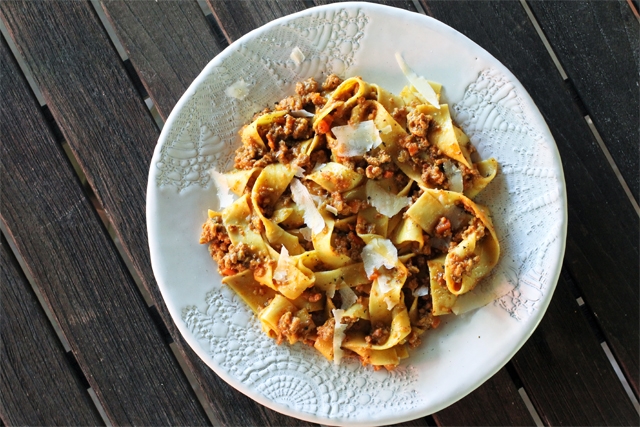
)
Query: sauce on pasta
[{"x": 353, "y": 227}]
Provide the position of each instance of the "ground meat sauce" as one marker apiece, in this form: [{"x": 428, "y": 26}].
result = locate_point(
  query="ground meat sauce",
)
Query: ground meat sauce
[
  {"x": 231, "y": 259},
  {"x": 284, "y": 137}
]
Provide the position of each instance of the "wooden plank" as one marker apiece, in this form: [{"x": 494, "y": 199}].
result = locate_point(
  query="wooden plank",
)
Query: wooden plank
[
  {"x": 75, "y": 264},
  {"x": 113, "y": 136},
  {"x": 566, "y": 374},
  {"x": 595, "y": 196},
  {"x": 236, "y": 18},
  {"x": 169, "y": 43},
  {"x": 38, "y": 385},
  {"x": 495, "y": 403},
  {"x": 598, "y": 45},
  {"x": 611, "y": 316}
]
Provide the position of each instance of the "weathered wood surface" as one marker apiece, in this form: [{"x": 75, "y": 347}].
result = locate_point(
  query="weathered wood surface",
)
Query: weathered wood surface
[
  {"x": 77, "y": 269},
  {"x": 236, "y": 18},
  {"x": 38, "y": 384},
  {"x": 600, "y": 239},
  {"x": 113, "y": 135},
  {"x": 566, "y": 373},
  {"x": 494, "y": 403},
  {"x": 169, "y": 43},
  {"x": 598, "y": 45}
]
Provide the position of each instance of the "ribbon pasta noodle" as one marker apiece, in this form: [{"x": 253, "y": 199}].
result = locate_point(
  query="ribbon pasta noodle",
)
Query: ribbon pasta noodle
[{"x": 353, "y": 226}]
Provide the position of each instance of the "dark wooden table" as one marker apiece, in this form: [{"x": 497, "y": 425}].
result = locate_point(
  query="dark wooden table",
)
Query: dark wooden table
[{"x": 86, "y": 338}]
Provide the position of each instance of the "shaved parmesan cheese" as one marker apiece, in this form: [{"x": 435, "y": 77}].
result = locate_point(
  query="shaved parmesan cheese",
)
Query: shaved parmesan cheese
[
  {"x": 306, "y": 233},
  {"x": 379, "y": 253},
  {"x": 301, "y": 113},
  {"x": 317, "y": 167},
  {"x": 421, "y": 291},
  {"x": 331, "y": 209},
  {"x": 388, "y": 204},
  {"x": 384, "y": 281},
  {"x": 299, "y": 172},
  {"x": 297, "y": 56},
  {"x": 238, "y": 90},
  {"x": 356, "y": 140},
  {"x": 390, "y": 303},
  {"x": 348, "y": 296},
  {"x": 420, "y": 83},
  {"x": 387, "y": 129},
  {"x": 285, "y": 264},
  {"x": 454, "y": 176},
  {"x": 338, "y": 335},
  {"x": 225, "y": 196},
  {"x": 311, "y": 215},
  {"x": 458, "y": 217},
  {"x": 331, "y": 290}
]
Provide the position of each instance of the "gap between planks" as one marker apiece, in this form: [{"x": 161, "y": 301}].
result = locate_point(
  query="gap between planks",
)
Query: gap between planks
[
  {"x": 592, "y": 127},
  {"x": 56, "y": 326}
]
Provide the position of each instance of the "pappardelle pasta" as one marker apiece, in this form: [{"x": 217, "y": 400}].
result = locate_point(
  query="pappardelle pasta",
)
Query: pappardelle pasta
[{"x": 353, "y": 227}]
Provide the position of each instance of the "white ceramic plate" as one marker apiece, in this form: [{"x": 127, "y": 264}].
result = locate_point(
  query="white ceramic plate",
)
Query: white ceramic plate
[{"x": 527, "y": 200}]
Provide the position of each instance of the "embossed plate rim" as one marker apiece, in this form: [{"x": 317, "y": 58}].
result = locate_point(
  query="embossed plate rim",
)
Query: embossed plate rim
[{"x": 154, "y": 193}]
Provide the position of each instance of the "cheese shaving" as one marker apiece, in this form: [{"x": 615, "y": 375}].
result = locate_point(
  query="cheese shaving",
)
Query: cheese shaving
[
  {"x": 454, "y": 176},
  {"x": 348, "y": 296},
  {"x": 338, "y": 335},
  {"x": 299, "y": 172},
  {"x": 225, "y": 197},
  {"x": 285, "y": 264},
  {"x": 379, "y": 253},
  {"x": 306, "y": 233},
  {"x": 301, "y": 113},
  {"x": 388, "y": 204},
  {"x": 420, "y": 83},
  {"x": 356, "y": 140},
  {"x": 384, "y": 281},
  {"x": 311, "y": 215},
  {"x": 387, "y": 129},
  {"x": 238, "y": 90},
  {"x": 390, "y": 303},
  {"x": 297, "y": 56},
  {"x": 317, "y": 167},
  {"x": 421, "y": 291},
  {"x": 331, "y": 290},
  {"x": 331, "y": 209}
]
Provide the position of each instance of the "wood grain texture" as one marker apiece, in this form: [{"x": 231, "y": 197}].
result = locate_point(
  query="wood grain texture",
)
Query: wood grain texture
[
  {"x": 38, "y": 385},
  {"x": 565, "y": 372},
  {"x": 598, "y": 45},
  {"x": 112, "y": 134},
  {"x": 606, "y": 235},
  {"x": 495, "y": 403},
  {"x": 169, "y": 43},
  {"x": 236, "y": 18},
  {"x": 77, "y": 269}
]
